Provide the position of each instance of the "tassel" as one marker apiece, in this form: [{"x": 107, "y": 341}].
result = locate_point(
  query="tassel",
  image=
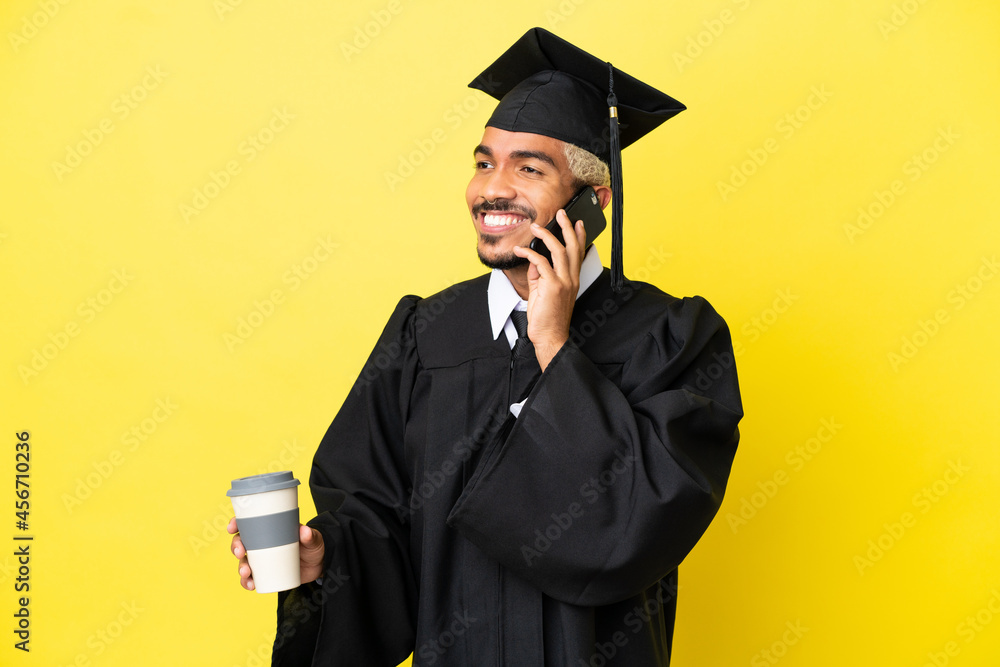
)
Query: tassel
[{"x": 615, "y": 165}]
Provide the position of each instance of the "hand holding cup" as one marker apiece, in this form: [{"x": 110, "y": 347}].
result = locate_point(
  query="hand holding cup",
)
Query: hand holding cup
[
  {"x": 311, "y": 551},
  {"x": 267, "y": 518}
]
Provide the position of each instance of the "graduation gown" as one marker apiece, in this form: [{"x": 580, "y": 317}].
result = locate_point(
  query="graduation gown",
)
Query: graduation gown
[{"x": 469, "y": 537}]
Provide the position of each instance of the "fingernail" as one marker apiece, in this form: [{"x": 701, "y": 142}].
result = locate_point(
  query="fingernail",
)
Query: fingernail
[
  {"x": 534, "y": 224},
  {"x": 250, "y": 585}
]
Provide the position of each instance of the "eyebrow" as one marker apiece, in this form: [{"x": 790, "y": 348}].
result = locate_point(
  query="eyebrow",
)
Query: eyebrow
[
  {"x": 533, "y": 155},
  {"x": 517, "y": 155}
]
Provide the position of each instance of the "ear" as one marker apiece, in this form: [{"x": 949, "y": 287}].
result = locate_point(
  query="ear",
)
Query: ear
[{"x": 603, "y": 194}]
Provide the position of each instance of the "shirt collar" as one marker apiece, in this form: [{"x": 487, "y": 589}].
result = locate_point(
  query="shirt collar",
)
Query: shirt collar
[{"x": 503, "y": 298}]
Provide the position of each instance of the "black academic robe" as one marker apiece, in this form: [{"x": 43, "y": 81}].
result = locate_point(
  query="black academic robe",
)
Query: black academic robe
[{"x": 473, "y": 538}]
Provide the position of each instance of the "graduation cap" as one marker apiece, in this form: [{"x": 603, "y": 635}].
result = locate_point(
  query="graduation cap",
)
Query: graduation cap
[{"x": 548, "y": 86}]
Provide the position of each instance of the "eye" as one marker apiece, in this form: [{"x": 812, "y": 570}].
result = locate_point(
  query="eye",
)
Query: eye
[
  {"x": 483, "y": 164},
  {"x": 530, "y": 170}
]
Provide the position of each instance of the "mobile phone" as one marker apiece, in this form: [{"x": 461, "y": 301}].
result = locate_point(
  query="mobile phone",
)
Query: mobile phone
[{"x": 583, "y": 206}]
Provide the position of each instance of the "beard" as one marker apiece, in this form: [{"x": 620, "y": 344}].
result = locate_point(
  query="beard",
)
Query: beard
[{"x": 504, "y": 261}]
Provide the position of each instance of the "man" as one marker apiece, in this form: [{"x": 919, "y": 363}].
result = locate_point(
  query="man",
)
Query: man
[{"x": 495, "y": 494}]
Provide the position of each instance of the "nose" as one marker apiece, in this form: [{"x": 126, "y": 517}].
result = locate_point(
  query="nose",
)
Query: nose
[{"x": 498, "y": 185}]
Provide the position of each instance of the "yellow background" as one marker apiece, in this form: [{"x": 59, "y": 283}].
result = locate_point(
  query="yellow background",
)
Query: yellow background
[{"x": 818, "y": 303}]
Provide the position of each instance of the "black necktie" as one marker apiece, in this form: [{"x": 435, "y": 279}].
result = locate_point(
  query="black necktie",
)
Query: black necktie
[{"x": 523, "y": 344}]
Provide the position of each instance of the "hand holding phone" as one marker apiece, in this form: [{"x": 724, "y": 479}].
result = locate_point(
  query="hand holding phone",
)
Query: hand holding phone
[{"x": 583, "y": 206}]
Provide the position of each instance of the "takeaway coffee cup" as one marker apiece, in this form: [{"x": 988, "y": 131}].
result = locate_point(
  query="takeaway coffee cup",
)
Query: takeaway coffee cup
[{"x": 267, "y": 515}]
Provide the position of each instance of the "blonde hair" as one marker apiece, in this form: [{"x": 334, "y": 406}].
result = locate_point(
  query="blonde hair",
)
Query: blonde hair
[{"x": 586, "y": 167}]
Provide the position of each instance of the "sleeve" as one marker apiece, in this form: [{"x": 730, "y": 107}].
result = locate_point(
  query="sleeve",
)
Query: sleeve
[
  {"x": 600, "y": 489},
  {"x": 363, "y": 612}
]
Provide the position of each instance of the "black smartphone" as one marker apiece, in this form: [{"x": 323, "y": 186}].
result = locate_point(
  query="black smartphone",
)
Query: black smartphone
[{"x": 583, "y": 206}]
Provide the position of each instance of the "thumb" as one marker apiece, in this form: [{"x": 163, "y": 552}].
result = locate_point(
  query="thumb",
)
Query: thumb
[{"x": 309, "y": 537}]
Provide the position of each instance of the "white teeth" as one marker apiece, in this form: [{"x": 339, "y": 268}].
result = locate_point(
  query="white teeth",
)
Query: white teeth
[{"x": 493, "y": 220}]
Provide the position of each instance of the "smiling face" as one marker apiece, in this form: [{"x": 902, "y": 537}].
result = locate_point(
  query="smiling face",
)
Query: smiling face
[{"x": 520, "y": 178}]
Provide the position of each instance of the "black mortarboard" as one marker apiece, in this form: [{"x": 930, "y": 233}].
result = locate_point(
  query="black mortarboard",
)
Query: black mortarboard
[{"x": 548, "y": 86}]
